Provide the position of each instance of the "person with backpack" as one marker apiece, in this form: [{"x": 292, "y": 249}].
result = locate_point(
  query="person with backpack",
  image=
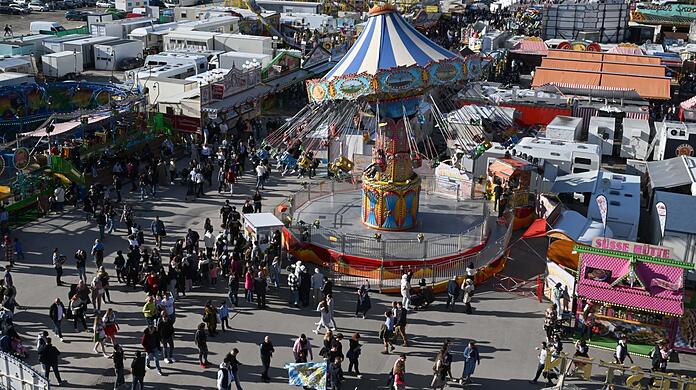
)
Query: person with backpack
[
  {"x": 98, "y": 252},
  {"x": 48, "y": 357},
  {"x": 200, "y": 338},
  {"x": 387, "y": 331},
  {"x": 224, "y": 375}
]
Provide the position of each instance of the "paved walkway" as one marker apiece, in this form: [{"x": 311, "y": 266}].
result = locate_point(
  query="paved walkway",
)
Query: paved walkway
[{"x": 506, "y": 327}]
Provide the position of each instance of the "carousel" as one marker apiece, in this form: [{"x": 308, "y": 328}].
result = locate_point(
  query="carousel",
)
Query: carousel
[{"x": 372, "y": 102}]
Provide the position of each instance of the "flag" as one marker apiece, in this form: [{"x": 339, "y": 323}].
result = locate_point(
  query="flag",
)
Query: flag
[
  {"x": 310, "y": 374},
  {"x": 603, "y": 209},
  {"x": 661, "y": 208}
]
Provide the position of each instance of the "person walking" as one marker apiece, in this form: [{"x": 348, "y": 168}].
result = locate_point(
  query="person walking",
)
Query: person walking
[
  {"x": 98, "y": 252},
  {"x": 233, "y": 289},
  {"x": 260, "y": 286},
  {"x": 48, "y": 357},
  {"x": 234, "y": 366},
  {"x": 138, "y": 371},
  {"x": 317, "y": 283},
  {"x": 151, "y": 344},
  {"x": 249, "y": 285},
  {"x": 335, "y": 374},
  {"x": 165, "y": 328},
  {"x": 266, "y": 351},
  {"x": 324, "y": 316},
  {"x": 110, "y": 325},
  {"x": 387, "y": 331},
  {"x": 302, "y": 349},
  {"x": 224, "y": 313},
  {"x": 294, "y": 285},
  {"x": 468, "y": 290},
  {"x": 57, "y": 312},
  {"x": 364, "y": 304},
  {"x": 406, "y": 289},
  {"x": 400, "y": 326},
  {"x": 210, "y": 315},
  {"x": 439, "y": 371},
  {"x": 159, "y": 231},
  {"x": 81, "y": 264},
  {"x": 257, "y": 201},
  {"x": 150, "y": 310},
  {"x": 224, "y": 375},
  {"x": 200, "y": 338},
  {"x": 330, "y": 301},
  {"x": 58, "y": 261},
  {"x": 621, "y": 352},
  {"x": 99, "y": 335},
  {"x": 453, "y": 292},
  {"x": 471, "y": 360},
  {"x": 97, "y": 294},
  {"x": 543, "y": 353},
  {"x": 353, "y": 355},
  {"x": 117, "y": 358},
  {"x": 399, "y": 373}
]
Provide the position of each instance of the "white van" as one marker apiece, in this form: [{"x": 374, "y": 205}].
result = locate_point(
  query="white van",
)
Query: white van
[{"x": 37, "y": 27}]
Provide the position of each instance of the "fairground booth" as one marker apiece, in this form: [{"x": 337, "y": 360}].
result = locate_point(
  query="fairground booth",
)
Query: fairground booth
[{"x": 635, "y": 290}]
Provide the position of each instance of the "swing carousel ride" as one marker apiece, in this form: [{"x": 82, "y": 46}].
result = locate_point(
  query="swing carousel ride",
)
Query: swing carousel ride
[{"x": 375, "y": 96}]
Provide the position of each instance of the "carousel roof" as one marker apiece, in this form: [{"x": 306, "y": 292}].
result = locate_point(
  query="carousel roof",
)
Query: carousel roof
[{"x": 388, "y": 41}]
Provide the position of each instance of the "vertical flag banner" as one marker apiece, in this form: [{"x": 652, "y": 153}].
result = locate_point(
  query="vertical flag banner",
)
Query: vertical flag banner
[
  {"x": 602, "y": 205},
  {"x": 661, "y": 208},
  {"x": 310, "y": 374}
]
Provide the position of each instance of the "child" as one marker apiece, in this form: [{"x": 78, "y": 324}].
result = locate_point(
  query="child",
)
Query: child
[
  {"x": 224, "y": 313},
  {"x": 214, "y": 272},
  {"x": 19, "y": 251}
]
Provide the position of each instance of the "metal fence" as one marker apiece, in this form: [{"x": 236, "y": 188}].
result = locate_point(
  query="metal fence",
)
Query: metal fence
[
  {"x": 385, "y": 277},
  {"x": 380, "y": 276},
  {"x": 17, "y": 375}
]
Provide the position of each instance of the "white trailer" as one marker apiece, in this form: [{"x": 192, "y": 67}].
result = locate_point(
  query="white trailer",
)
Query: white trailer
[
  {"x": 108, "y": 56},
  {"x": 565, "y": 128},
  {"x": 636, "y": 139},
  {"x": 601, "y": 133},
  {"x": 86, "y": 47},
  {"x": 235, "y": 59},
  {"x": 120, "y": 28},
  {"x": 220, "y": 24},
  {"x": 55, "y": 44},
  {"x": 191, "y": 40},
  {"x": 61, "y": 64},
  {"x": 244, "y": 43}
]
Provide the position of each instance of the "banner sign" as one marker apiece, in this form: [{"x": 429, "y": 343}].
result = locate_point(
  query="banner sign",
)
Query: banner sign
[
  {"x": 637, "y": 248},
  {"x": 661, "y": 208},
  {"x": 603, "y": 208}
]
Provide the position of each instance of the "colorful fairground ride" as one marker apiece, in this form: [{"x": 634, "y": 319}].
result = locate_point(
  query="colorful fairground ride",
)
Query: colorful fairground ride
[
  {"x": 49, "y": 130},
  {"x": 371, "y": 118}
]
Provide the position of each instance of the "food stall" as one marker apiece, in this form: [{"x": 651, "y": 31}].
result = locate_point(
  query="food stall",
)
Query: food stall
[
  {"x": 632, "y": 293},
  {"x": 260, "y": 227}
]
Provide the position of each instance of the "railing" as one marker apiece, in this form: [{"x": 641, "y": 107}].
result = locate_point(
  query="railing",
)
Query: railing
[
  {"x": 15, "y": 374},
  {"x": 380, "y": 276}
]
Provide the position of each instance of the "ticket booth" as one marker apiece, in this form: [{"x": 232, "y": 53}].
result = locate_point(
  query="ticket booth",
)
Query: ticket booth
[{"x": 260, "y": 227}]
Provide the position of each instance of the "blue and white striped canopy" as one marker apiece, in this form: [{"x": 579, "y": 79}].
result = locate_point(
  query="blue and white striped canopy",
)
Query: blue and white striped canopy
[{"x": 388, "y": 41}]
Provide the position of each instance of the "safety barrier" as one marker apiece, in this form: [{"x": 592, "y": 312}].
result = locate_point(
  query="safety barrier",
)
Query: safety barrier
[{"x": 15, "y": 374}]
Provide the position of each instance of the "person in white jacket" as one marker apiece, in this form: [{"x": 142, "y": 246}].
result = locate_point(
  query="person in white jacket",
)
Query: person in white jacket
[
  {"x": 317, "y": 282},
  {"x": 406, "y": 290},
  {"x": 225, "y": 378}
]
